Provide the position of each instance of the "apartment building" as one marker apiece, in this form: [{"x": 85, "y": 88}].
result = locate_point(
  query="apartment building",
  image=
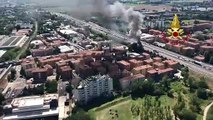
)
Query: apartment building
[
  {"x": 128, "y": 81},
  {"x": 93, "y": 87}
]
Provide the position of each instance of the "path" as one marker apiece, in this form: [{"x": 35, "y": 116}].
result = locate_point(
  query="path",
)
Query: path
[{"x": 206, "y": 111}]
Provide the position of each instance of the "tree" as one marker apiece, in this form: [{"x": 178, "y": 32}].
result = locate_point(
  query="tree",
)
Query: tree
[
  {"x": 207, "y": 56},
  {"x": 1, "y": 98},
  {"x": 57, "y": 76},
  {"x": 187, "y": 115},
  {"x": 13, "y": 73},
  {"x": 185, "y": 74},
  {"x": 32, "y": 46},
  {"x": 18, "y": 27},
  {"x": 9, "y": 77},
  {"x": 22, "y": 72},
  {"x": 196, "y": 22},
  {"x": 26, "y": 92},
  {"x": 79, "y": 115},
  {"x": 192, "y": 84},
  {"x": 39, "y": 90},
  {"x": 165, "y": 82},
  {"x": 170, "y": 93},
  {"x": 51, "y": 86},
  {"x": 202, "y": 83},
  {"x": 202, "y": 93},
  {"x": 56, "y": 51},
  {"x": 211, "y": 60},
  {"x": 141, "y": 87},
  {"x": 151, "y": 109},
  {"x": 195, "y": 104},
  {"x": 69, "y": 88}
]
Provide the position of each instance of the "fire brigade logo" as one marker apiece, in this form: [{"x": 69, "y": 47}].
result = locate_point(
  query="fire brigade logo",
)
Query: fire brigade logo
[{"x": 175, "y": 33}]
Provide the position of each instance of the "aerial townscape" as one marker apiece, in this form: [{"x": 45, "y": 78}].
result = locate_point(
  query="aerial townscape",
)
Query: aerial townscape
[{"x": 106, "y": 59}]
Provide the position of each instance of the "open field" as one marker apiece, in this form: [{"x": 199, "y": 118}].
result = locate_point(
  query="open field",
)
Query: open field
[{"x": 122, "y": 108}]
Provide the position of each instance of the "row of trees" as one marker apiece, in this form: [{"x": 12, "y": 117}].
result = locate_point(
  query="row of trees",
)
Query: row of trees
[
  {"x": 79, "y": 114},
  {"x": 49, "y": 87},
  {"x": 10, "y": 55},
  {"x": 208, "y": 57},
  {"x": 151, "y": 109},
  {"x": 36, "y": 90},
  {"x": 181, "y": 111},
  {"x": 150, "y": 87},
  {"x": 12, "y": 75}
]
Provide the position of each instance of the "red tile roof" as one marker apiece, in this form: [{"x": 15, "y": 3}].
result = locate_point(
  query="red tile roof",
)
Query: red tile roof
[
  {"x": 123, "y": 62},
  {"x": 39, "y": 70},
  {"x": 165, "y": 70},
  {"x": 153, "y": 71},
  {"x": 133, "y": 77},
  {"x": 142, "y": 67}
]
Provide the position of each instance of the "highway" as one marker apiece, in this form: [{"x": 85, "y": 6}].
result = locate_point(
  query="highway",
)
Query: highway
[{"x": 162, "y": 52}]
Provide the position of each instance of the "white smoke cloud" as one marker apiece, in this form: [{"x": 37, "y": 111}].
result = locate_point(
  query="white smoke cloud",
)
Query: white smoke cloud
[
  {"x": 134, "y": 18},
  {"x": 85, "y": 7}
]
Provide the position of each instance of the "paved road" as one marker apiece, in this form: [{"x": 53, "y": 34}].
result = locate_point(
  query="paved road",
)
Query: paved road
[
  {"x": 206, "y": 111},
  {"x": 165, "y": 53},
  {"x": 185, "y": 60}
]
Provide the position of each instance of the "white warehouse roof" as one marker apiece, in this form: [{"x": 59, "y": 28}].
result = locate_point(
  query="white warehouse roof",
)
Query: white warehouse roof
[{"x": 68, "y": 31}]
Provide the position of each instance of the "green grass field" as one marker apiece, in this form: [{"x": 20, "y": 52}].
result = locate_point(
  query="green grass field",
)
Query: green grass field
[{"x": 122, "y": 108}]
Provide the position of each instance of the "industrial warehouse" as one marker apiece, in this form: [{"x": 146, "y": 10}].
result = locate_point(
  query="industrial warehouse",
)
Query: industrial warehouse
[{"x": 8, "y": 42}]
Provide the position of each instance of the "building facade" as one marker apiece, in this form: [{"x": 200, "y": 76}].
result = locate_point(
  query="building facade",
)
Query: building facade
[
  {"x": 93, "y": 87},
  {"x": 32, "y": 107}
]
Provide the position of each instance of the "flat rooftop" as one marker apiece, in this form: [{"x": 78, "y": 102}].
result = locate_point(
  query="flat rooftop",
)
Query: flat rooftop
[
  {"x": 28, "y": 101},
  {"x": 7, "y": 41},
  {"x": 68, "y": 31},
  {"x": 32, "y": 115}
]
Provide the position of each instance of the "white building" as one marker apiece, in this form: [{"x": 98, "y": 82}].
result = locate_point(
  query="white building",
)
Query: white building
[
  {"x": 156, "y": 23},
  {"x": 32, "y": 107},
  {"x": 66, "y": 49},
  {"x": 93, "y": 87},
  {"x": 147, "y": 37},
  {"x": 7, "y": 42}
]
